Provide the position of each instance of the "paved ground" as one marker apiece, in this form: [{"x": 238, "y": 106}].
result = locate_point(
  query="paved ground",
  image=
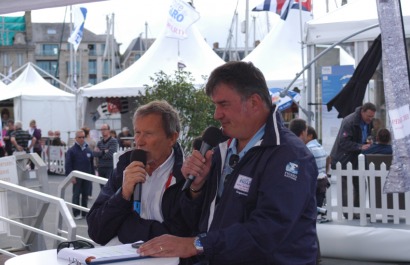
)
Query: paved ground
[{"x": 50, "y": 217}]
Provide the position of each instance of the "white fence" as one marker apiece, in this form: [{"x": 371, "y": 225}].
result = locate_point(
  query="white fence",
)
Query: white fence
[
  {"x": 380, "y": 207},
  {"x": 54, "y": 157}
]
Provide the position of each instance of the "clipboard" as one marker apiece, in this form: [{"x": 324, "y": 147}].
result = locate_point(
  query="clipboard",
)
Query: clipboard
[{"x": 100, "y": 255}]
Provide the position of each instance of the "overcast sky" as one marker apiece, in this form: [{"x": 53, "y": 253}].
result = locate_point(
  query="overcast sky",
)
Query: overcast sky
[{"x": 132, "y": 15}]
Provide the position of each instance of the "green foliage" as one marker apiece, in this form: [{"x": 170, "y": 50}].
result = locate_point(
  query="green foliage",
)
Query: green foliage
[{"x": 195, "y": 108}]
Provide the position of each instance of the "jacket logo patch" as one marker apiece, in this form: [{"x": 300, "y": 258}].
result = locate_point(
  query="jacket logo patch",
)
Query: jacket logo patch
[
  {"x": 242, "y": 184},
  {"x": 292, "y": 170}
]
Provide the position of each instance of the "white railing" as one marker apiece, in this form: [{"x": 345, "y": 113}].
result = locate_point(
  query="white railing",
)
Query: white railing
[
  {"x": 61, "y": 193},
  {"x": 373, "y": 202},
  {"x": 47, "y": 200}
]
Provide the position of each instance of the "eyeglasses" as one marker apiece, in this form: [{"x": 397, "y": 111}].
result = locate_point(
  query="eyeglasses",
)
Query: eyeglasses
[
  {"x": 78, "y": 244},
  {"x": 81, "y": 137}
]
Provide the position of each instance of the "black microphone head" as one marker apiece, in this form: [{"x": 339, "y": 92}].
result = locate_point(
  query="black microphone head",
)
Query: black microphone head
[
  {"x": 196, "y": 143},
  {"x": 212, "y": 136},
  {"x": 139, "y": 155}
]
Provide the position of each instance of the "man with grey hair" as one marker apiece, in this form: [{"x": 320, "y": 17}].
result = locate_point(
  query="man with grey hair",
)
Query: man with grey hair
[
  {"x": 157, "y": 128},
  {"x": 20, "y": 139}
]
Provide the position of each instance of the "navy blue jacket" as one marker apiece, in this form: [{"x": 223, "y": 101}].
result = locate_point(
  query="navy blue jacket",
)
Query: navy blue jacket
[
  {"x": 78, "y": 159},
  {"x": 267, "y": 212},
  {"x": 112, "y": 215}
]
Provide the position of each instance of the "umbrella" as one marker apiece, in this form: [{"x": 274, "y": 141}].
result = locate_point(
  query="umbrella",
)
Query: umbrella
[
  {"x": 283, "y": 102},
  {"x": 352, "y": 94}
]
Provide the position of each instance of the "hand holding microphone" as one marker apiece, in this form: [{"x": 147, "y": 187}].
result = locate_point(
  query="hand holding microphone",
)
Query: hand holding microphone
[
  {"x": 138, "y": 155},
  {"x": 210, "y": 139}
]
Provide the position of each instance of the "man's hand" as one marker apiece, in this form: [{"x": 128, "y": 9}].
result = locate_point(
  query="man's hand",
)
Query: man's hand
[
  {"x": 134, "y": 173},
  {"x": 169, "y": 246},
  {"x": 198, "y": 166}
]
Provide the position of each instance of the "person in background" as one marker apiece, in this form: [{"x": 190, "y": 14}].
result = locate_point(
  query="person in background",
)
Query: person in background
[
  {"x": 299, "y": 128},
  {"x": 20, "y": 139},
  {"x": 5, "y": 116},
  {"x": 35, "y": 132},
  {"x": 104, "y": 151},
  {"x": 91, "y": 144},
  {"x": 113, "y": 134},
  {"x": 382, "y": 144},
  {"x": 79, "y": 157},
  {"x": 57, "y": 139},
  {"x": 376, "y": 126},
  {"x": 7, "y": 137},
  {"x": 351, "y": 140},
  {"x": 124, "y": 143},
  {"x": 112, "y": 217},
  {"x": 239, "y": 209}
]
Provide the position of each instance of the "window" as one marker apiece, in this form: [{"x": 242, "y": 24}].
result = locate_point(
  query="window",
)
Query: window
[
  {"x": 48, "y": 66},
  {"x": 92, "y": 67},
  {"x": 50, "y": 49}
]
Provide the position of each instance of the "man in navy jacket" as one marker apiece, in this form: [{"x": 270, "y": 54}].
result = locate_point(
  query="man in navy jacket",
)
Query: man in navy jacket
[
  {"x": 253, "y": 198},
  {"x": 79, "y": 157},
  {"x": 157, "y": 128}
]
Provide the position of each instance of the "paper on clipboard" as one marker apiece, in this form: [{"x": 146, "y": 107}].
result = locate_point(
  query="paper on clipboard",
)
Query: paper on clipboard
[{"x": 100, "y": 255}]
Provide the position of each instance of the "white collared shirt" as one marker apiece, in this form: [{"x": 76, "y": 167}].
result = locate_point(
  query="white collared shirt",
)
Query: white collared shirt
[{"x": 153, "y": 190}]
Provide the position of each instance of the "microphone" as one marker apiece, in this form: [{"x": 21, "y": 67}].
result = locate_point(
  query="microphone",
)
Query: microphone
[
  {"x": 210, "y": 139},
  {"x": 196, "y": 144},
  {"x": 138, "y": 155}
]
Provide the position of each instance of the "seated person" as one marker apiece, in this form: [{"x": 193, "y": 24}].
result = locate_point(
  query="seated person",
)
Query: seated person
[
  {"x": 157, "y": 128},
  {"x": 125, "y": 143},
  {"x": 382, "y": 144}
]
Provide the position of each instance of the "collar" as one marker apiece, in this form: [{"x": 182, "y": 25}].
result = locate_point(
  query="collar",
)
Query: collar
[{"x": 256, "y": 140}]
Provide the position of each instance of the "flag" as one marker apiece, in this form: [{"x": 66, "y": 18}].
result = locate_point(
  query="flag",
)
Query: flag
[
  {"x": 79, "y": 14},
  {"x": 306, "y": 6},
  {"x": 352, "y": 94},
  {"x": 277, "y": 6},
  {"x": 181, "y": 16}
]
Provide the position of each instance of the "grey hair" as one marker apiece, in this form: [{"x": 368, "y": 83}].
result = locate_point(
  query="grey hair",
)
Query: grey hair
[
  {"x": 170, "y": 117},
  {"x": 18, "y": 125}
]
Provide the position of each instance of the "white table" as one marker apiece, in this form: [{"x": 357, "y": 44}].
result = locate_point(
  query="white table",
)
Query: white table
[{"x": 50, "y": 257}]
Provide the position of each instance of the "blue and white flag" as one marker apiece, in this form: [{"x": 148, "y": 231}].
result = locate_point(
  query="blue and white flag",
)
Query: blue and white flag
[
  {"x": 181, "y": 16},
  {"x": 79, "y": 14}
]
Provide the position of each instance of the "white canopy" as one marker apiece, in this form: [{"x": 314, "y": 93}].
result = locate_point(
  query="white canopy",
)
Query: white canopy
[
  {"x": 349, "y": 19},
  {"x": 279, "y": 55},
  {"x": 35, "y": 98},
  {"x": 164, "y": 54},
  {"x": 7, "y": 6}
]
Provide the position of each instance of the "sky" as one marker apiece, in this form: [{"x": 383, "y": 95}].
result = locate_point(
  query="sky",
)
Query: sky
[{"x": 131, "y": 17}]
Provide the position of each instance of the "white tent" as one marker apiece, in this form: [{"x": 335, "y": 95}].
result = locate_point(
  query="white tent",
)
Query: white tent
[
  {"x": 35, "y": 98},
  {"x": 7, "y": 6},
  {"x": 349, "y": 19},
  {"x": 279, "y": 55},
  {"x": 164, "y": 54}
]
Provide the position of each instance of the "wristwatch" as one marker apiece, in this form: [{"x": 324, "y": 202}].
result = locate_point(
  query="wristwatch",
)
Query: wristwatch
[{"x": 198, "y": 245}]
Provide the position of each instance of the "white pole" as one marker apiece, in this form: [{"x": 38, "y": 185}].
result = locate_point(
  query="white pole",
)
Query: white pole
[{"x": 246, "y": 28}]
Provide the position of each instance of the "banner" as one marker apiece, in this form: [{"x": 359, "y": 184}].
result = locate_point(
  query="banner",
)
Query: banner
[
  {"x": 79, "y": 14},
  {"x": 334, "y": 78},
  {"x": 181, "y": 16}
]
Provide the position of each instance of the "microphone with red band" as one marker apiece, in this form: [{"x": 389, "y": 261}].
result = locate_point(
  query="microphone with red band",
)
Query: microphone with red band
[
  {"x": 210, "y": 139},
  {"x": 138, "y": 155}
]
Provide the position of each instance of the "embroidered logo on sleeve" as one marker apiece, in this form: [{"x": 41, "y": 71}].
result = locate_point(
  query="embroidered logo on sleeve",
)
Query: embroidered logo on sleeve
[
  {"x": 292, "y": 170},
  {"x": 242, "y": 184}
]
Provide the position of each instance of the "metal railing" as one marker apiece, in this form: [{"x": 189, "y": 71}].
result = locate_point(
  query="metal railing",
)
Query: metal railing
[
  {"x": 47, "y": 199},
  {"x": 61, "y": 193}
]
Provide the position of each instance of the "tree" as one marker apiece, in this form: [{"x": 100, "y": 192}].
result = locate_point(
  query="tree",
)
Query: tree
[{"x": 193, "y": 105}]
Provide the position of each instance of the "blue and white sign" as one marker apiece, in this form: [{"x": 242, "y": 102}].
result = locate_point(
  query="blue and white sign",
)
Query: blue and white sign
[{"x": 283, "y": 102}]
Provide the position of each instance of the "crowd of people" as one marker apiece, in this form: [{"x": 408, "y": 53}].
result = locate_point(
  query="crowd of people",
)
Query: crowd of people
[{"x": 259, "y": 209}]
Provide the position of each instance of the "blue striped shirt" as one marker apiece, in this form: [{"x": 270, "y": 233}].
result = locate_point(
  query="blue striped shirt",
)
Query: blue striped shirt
[{"x": 320, "y": 155}]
